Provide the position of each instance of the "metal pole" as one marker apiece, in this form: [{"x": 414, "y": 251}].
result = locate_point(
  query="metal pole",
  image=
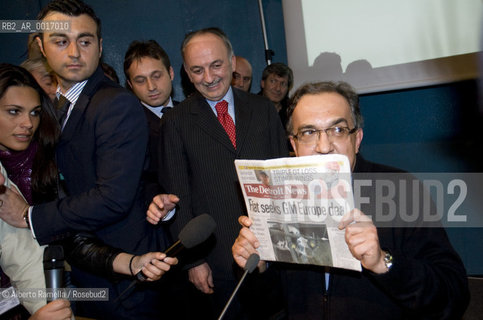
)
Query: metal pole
[{"x": 268, "y": 53}]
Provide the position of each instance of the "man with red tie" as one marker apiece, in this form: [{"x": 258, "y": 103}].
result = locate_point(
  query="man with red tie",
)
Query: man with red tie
[{"x": 200, "y": 139}]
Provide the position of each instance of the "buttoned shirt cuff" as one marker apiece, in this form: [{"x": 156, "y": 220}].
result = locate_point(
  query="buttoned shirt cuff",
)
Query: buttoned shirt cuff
[
  {"x": 30, "y": 222},
  {"x": 168, "y": 216}
]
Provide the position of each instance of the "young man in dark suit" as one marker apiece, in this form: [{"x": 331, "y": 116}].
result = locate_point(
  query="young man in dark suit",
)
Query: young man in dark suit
[
  {"x": 100, "y": 157},
  {"x": 149, "y": 75},
  {"x": 200, "y": 139}
]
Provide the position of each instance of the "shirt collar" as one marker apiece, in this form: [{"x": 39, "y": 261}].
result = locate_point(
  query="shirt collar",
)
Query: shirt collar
[
  {"x": 73, "y": 93},
  {"x": 158, "y": 109},
  {"x": 231, "y": 104},
  {"x": 228, "y": 98},
  {"x": 169, "y": 104}
]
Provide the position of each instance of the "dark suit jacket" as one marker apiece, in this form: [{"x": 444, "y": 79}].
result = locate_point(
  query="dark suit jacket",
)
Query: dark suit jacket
[
  {"x": 197, "y": 164},
  {"x": 101, "y": 156},
  {"x": 426, "y": 281},
  {"x": 150, "y": 175}
]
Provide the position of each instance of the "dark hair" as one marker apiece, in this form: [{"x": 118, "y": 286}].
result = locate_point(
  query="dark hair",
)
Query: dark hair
[
  {"x": 44, "y": 171},
  {"x": 215, "y": 31},
  {"x": 281, "y": 70},
  {"x": 73, "y": 8},
  {"x": 110, "y": 72},
  {"x": 342, "y": 88},
  {"x": 138, "y": 50}
]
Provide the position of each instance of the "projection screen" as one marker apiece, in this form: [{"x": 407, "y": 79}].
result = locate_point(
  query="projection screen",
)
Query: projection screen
[{"x": 381, "y": 45}]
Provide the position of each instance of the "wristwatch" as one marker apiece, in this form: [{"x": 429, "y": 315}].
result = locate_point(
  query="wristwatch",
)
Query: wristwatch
[{"x": 388, "y": 260}]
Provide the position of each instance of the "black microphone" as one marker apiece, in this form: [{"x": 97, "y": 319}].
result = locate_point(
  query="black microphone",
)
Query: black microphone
[
  {"x": 251, "y": 264},
  {"x": 54, "y": 270},
  {"x": 196, "y": 231}
]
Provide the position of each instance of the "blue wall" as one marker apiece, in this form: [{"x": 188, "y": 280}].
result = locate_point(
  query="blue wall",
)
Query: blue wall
[{"x": 431, "y": 129}]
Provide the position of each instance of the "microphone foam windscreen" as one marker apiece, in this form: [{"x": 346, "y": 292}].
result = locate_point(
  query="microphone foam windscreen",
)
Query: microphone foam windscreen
[
  {"x": 197, "y": 230},
  {"x": 252, "y": 262},
  {"x": 53, "y": 257}
]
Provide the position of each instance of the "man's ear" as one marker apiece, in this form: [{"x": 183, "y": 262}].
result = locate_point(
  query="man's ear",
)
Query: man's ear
[
  {"x": 294, "y": 146},
  {"x": 100, "y": 48},
  {"x": 171, "y": 73},
  {"x": 233, "y": 63},
  {"x": 40, "y": 43},
  {"x": 129, "y": 83},
  {"x": 359, "y": 135}
]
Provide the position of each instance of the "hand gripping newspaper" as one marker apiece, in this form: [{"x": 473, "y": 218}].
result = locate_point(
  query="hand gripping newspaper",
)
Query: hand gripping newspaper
[{"x": 296, "y": 205}]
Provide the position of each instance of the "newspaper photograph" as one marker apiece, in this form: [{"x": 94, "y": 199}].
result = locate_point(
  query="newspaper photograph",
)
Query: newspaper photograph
[{"x": 296, "y": 205}]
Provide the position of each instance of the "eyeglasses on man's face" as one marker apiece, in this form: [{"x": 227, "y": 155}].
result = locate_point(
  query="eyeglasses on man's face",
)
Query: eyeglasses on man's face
[{"x": 312, "y": 135}]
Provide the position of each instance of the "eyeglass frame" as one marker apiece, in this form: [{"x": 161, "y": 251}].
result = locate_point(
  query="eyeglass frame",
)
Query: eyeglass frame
[{"x": 330, "y": 136}]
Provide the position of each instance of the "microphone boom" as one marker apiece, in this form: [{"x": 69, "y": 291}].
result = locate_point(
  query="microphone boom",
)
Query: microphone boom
[{"x": 251, "y": 264}]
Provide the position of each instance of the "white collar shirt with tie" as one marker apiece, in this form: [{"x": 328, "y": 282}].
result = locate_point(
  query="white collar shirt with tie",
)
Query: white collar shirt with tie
[
  {"x": 72, "y": 95},
  {"x": 158, "y": 110},
  {"x": 231, "y": 104}
]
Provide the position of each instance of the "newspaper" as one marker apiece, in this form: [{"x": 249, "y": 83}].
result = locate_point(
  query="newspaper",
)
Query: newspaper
[{"x": 296, "y": 205}]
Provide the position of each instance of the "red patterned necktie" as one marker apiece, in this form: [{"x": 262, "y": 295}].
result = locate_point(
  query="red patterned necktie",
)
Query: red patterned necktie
[{"x": 226, "y": 121}]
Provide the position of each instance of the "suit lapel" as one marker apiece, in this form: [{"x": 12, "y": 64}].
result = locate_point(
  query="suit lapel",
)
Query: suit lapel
[
  {"x": 243, "y": 114},
  {"x": 74, "y": 118},
  {"x": 81, "y": 105},
  {"x": 153, "y": 121},
  {"x": 207, "y": 121}
]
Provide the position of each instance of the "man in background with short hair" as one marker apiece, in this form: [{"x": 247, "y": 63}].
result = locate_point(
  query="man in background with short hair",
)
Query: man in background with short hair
[
  {"x": 242, "y": 76},
  {"x": 277, "y": 80},
  {"x": 149, "y": 75}
]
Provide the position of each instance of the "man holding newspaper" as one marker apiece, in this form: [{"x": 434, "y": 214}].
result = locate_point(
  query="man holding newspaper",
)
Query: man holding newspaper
[{"x": 407, "y": 272}]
